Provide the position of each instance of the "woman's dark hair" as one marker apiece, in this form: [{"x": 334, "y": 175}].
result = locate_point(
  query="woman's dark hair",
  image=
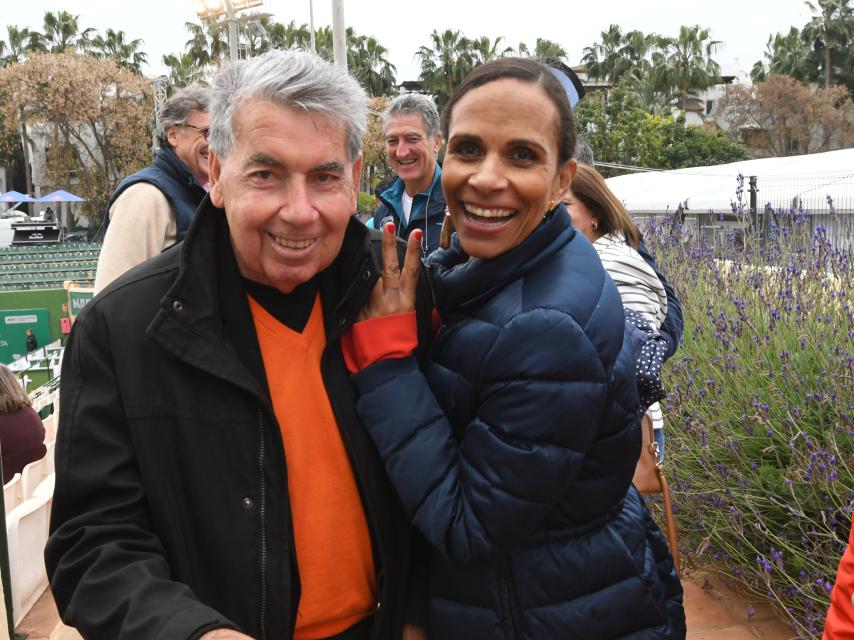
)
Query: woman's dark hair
[{"x": 526, "y": 70}]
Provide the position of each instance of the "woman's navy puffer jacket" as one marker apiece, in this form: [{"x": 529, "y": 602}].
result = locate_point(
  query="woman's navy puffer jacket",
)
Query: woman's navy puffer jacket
[{"x": 514, "y": 452}]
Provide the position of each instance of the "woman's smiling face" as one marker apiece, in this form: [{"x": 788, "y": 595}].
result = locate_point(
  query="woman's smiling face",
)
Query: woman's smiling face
[{"x": 501, "y": 173}]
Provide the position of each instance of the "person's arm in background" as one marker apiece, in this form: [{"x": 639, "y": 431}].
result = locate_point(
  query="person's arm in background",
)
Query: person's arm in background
[
  {"x": 142, "y": 225},
  {"x": 671, "y": 328}
]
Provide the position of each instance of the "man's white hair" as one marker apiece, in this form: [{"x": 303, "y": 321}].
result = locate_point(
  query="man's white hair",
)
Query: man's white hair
[{"x": 295, "y": 79}]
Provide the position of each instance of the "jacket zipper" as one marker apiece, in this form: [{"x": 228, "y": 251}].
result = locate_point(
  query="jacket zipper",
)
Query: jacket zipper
[
  {"x": 263, "y": 512},
  {"x": 508, "y": 603}
]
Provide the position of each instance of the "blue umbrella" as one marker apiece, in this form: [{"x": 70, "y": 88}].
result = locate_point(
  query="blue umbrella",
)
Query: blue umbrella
[
  {"x": 60, "y": 196},
  {"x": 16, "y": 196}
]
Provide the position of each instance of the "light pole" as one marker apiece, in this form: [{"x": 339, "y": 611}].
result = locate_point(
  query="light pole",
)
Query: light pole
[
  {"x": 339, "y": 34},
  {"x": 311, "y": 25},
  {"x": 161, "y": 83}
]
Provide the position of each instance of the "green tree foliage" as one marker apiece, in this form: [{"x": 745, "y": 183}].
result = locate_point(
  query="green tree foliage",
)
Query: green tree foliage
[
  {"x": 544, "y": 50},
  {"x": 485, "y": 49},
  {"x": 620, "y": 130},
  {"x": 451, "y": 55},
  {"x": 113, "y": 44},
  {"x": 444, "y": 63},
  {"x": 831, "y": 32},
  {"x": 789, "y": 55},
  {"x": 20, "y": 42},
  {"x": 183, "y": 70},
  {"x": 657, "y": 69},
  {"x": 820, "y": 52},
  {"x": 62, "y": 32},
  {"x": 689, "y": 59},
  {"x": 208, "y": 46},
  {"x": 369, "y": 64}
]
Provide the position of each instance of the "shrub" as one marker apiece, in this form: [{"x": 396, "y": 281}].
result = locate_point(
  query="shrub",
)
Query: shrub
[
  {"x": 366, "y": 203},
  {"x": 760, "y": 411}
]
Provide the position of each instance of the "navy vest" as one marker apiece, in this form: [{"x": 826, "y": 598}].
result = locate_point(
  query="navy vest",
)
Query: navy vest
[{"x": 174, "y": 180}]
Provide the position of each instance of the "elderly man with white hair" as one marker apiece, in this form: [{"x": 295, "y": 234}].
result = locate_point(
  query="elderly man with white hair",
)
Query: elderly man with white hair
[{"x": 213, "y": 478}]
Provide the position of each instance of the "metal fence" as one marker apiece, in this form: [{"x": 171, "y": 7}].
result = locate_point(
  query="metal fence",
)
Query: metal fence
[{"x": 802, "y": 203}]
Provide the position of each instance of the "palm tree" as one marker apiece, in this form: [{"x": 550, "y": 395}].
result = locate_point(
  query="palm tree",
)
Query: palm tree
[
  {"x": 650, "y": 84},
  {"x": 288, "y": 36},
  {"x": 638, "y": 48},
  {"x": 445, "y": 64},
  {"x": 21, "y": 42},
  {"x": 830, "y": 31},
  {"x": 208, "y": 43},
  {"x": 62, "y": 32},
  {"x": 113, "y": 45},
  {"x": 787, "y": 55},
  {"x": 690, "y": 63},
  {"x": 323, "y": 43},
  {"x": 483, "y": 49},
  {"x": 183, "y": 70},
  {"x": 604, "y": 60},
  {"x": 549, "y": 50},
  {"x": 370, "y": 66}
]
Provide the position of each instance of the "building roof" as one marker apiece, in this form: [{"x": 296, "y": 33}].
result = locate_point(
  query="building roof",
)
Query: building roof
[{"x": 802, "y": 181}]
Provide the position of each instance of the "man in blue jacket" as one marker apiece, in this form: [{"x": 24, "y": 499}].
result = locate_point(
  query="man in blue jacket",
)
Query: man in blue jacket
[{"x": 412, "y": 141}]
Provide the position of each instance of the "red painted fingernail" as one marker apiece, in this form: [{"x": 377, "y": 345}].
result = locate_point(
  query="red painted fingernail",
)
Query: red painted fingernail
[
  {"x": 418, "y": 233},
  {"x": 389, "y": 227}
]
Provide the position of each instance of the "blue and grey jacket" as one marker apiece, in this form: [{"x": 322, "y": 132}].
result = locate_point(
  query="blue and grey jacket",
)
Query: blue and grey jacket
[{"x": 428, "y": 211}]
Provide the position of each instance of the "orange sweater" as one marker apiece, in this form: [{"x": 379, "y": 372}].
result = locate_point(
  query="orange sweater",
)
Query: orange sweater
[{"x": 333, "y": 544}]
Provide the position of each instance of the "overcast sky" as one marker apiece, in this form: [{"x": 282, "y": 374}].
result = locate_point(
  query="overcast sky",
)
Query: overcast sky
[{"x": 742, "y": 25}]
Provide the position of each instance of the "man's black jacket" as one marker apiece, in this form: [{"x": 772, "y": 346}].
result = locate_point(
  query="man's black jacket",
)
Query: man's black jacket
[{"x": 171, "y": 514}]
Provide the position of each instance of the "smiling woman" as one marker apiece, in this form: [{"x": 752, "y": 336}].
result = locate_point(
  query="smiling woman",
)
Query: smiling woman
[
  {"x": 502, "y": 172},
  {"x": 513, "y": 452}
]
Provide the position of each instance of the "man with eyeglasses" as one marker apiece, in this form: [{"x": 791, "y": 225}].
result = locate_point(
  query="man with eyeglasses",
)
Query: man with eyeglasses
[{"x": 151, "y": 210}]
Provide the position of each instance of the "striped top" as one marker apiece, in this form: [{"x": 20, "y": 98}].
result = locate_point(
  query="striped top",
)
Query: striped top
[{"x": 639, "y": 287}]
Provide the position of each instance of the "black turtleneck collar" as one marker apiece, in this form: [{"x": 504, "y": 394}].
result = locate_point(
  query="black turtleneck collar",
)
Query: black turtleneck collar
[{"x": 292, "y": 309}]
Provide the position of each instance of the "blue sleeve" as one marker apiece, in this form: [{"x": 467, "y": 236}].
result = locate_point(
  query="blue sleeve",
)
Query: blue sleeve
[
  {"x": 671, "y": 328},
  {"x": 538, "y": 412}
]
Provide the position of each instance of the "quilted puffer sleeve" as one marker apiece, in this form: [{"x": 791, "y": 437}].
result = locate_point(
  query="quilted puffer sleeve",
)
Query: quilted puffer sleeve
[{"x": 538, "y": 411}]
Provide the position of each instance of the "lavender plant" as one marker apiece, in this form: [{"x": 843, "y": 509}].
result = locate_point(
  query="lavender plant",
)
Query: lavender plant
[{"x": 760, "y": 411}]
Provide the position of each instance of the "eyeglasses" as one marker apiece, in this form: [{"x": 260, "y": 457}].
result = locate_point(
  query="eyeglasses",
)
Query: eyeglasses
[{"x": 204, "y": 131}]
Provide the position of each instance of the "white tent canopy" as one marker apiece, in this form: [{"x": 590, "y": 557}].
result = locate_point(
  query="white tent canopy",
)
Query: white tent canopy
[{"x": 805, "y": 180}]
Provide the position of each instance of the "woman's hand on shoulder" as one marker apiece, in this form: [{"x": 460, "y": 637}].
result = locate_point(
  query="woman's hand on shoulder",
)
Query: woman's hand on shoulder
[{"x": 395, "y": 291}]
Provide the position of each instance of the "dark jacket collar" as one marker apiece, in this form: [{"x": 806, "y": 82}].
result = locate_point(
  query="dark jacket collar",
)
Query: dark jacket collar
[
  {"x": 460, "y": 282},
  {"x": 169, "y": 162},
  {"x": 205, "y": 316}
]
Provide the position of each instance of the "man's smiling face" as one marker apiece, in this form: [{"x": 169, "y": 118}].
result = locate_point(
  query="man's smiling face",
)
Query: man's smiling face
[
  {"x": 288, "y": 189},
  {"x": 411, "y": 151}
]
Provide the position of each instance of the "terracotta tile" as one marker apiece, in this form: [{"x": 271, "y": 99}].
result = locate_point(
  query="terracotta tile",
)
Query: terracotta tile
[
  {"x": 735, "y": 632},
  {"x": 774, "y": 630},
  {"x": 41, "y": 620},
  {"x": 703, "y": 610}
]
